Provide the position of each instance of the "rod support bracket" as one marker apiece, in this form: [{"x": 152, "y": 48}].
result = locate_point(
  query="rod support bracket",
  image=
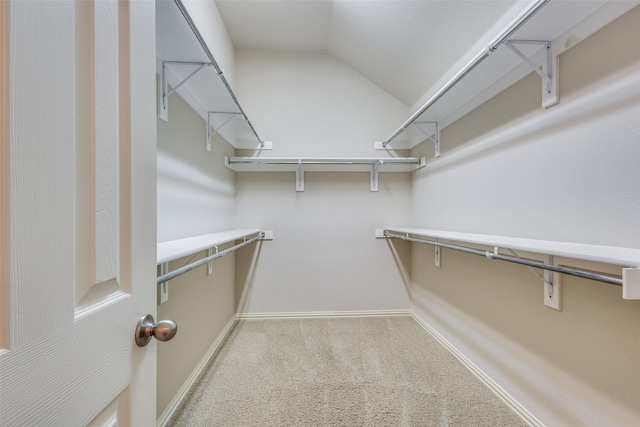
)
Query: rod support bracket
[
  {"x": 163, "y": 288},
  {"x": 299, "y": 177},
  {"x": 552, "y": 287},
  {"x": 374, "y": 176},
  {"x": 210, "y": 263}
]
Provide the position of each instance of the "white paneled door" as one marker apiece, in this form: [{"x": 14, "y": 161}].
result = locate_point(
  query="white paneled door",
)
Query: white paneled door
[{"x": 77, "y": 212}]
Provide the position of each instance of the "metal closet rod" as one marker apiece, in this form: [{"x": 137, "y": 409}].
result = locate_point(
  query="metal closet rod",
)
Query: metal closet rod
[
  {"x": 527, "y": 14},
  {"x": 492, "y": 255},
  {"x": 178, "y": 271},
  {"x": 219, "y": 71},
  {"x": 301, "y": 161}
]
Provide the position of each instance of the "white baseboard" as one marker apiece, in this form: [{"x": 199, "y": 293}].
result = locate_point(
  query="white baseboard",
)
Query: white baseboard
[
  {"x": 486, "y": 380},
  {"x": 186, "y": 387},
  {"x": 324, "y": 314}
]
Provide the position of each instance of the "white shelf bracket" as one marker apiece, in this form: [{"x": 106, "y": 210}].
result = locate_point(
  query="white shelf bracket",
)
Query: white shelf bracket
[
  {"x": 299, "y": 177},
  {"x": 434, "y": 136},
  {"x": 437, "y": 259},
  {"x": 210, "y": 133},
  {"x": 631, "y": 283},
  {"x": 552, "y": 287},
  {"x": 164, "y": 85},
  {"x": 549, "y": 71},
  {"x": 551, "y": 282},
  {"x": 210, "y": 263},
  {"x": 374, "y": 176},
  {"x": 163, "y": 288}
]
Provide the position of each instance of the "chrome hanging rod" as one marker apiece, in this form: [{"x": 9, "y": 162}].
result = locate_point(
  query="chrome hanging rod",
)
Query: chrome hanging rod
[
  {"x": 311, "y": 161},
  {"x": 177, "y": 272},
  {"x": 494, "y": 255},
  {"x": 219, "y": 71},
  {"x": 515, "y": 25}
]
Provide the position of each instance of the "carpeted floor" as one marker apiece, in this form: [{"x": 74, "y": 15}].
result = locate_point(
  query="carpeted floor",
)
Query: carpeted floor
[{"x": 367, "y": 371}]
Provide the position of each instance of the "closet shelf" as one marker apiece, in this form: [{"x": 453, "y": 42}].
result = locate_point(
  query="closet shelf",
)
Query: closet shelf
[
  {"x": 323, "y": 164},
  {"x": 626, "y": 257},
  {"x": 186, "y": 64},
  {"x": 300, "y": 165},
  {"x": 176, "y": 249},
  {"x": 543, "y": 31}
]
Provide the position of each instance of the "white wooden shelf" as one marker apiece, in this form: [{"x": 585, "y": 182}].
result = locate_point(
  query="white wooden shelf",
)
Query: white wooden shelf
[
  {"x": 299, "y": 165},
  {"x": 627, "y": 258},
  {"x": 175, "y": 249},
  {"x": 562, "y": 23},
  {"x": 206, "y": 91}
]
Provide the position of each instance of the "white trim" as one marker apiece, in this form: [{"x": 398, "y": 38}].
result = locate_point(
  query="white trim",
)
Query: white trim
[
  {"x": 195, "y": 375},
  {"x": 527, "y": 416},
  {"x": 323, "y": 314}
]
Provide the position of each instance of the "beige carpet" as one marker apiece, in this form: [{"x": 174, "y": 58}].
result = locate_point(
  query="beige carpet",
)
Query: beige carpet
[{"x": 367, "y": 371}]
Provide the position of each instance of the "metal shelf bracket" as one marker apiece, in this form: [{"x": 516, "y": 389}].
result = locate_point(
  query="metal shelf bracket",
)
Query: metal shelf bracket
[
  {"x": 299, "y": 177},
  {"x": 210, "y": 133},
  {"x": 551, "y": 280},
  {"x": 434, "y": 137},
  {"x": 210, "y": 263},
  {"x": 163, "y": 290},
  {"x": 374, "y": 176},
  {"x": 164, "y": 85},
  {"x": 549, "y": 71}
]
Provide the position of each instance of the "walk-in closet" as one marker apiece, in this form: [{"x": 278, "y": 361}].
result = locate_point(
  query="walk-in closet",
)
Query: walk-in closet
[
  {"x": 320, "y": 213},
  {"x": 497, "y": 209}
]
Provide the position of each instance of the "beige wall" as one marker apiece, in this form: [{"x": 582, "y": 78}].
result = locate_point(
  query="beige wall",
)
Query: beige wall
[
  {"x": 569, "y": 174},
  {"x": 202, "y": 306},
  {"x": 195, "y": 196},
  {"x": 324, "y": 256}
]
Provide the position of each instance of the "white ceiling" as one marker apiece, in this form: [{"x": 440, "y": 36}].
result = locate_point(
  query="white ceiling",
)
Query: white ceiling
[{"x": 404, "y": 46}]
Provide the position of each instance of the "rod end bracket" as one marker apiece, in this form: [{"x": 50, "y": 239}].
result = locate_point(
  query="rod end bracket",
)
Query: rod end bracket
[{"x": 631, "y": 283}]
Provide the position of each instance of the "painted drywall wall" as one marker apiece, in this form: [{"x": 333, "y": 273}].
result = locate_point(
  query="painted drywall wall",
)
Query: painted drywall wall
[
  {"x": 481, "y": 43},
  {"x": 569, "y": 174},
  {"x": 195, "y": 191},
  {"x": 311, "y": 104},
  {"x": 202, "y": 306},
  {"x": 324, "y": 256},
  {"x": 195, "y": 196}
]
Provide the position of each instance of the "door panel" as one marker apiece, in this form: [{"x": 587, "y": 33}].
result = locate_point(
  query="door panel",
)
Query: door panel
[
  {"x": 48, "y": 381},
  {"x": 78, "y": 204},
  {"x": 41, "y": 149},
  {"x": 4, "y": 175}
]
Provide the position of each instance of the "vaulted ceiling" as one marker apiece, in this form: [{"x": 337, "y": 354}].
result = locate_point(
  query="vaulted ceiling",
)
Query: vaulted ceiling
[{"x": 404, "y": 46}]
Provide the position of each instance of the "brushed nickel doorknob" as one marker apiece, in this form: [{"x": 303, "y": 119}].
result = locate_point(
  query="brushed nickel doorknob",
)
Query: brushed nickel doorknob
[{"x": 164, "y": 330}]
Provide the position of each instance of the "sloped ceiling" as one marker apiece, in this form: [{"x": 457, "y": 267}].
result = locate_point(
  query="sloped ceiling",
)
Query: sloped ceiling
[{"x": 403, "y": 46}]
